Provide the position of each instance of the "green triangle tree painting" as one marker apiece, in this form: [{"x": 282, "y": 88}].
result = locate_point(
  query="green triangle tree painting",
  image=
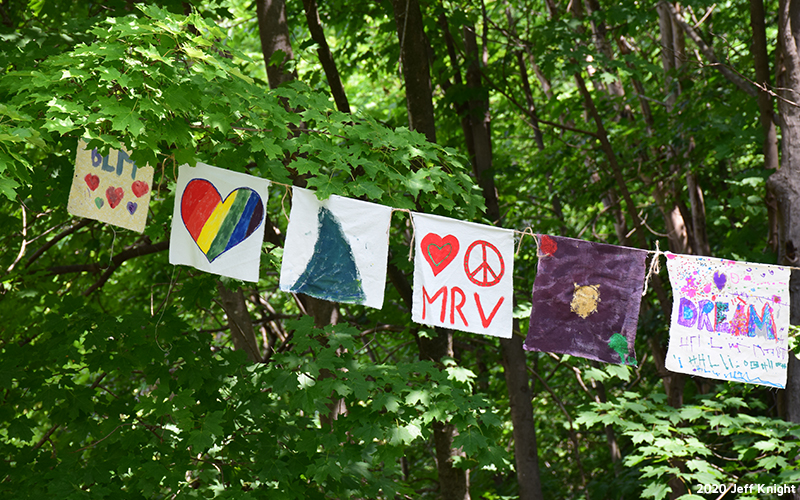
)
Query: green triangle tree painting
[{"x": 331, "y": 273}]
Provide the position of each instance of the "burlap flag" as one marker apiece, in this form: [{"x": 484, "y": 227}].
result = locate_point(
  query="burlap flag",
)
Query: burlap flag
[
  {"x": 463, "y": 275},
  {"x": 586, "y": 300},
  {"x": 336, "y": 249},
  {"x": 730, "y": 320},
  {"x": 110, "y": 188},
  {"x": 218, "y": 221}
]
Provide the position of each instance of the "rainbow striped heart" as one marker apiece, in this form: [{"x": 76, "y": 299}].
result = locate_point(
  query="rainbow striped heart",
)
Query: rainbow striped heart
[{"x": 218, "y": 225}]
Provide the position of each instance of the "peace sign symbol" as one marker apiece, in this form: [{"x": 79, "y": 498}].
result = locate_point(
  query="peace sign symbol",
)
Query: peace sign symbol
[{"x": 490, "y": 266}]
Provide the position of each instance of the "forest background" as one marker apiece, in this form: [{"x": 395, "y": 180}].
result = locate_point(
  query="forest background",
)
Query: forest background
[{"x": 624, "y": 122}]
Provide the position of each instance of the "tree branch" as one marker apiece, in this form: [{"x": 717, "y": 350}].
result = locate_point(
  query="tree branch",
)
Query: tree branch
[
  {"x": 572, "y": 434},
  {"x": 25, "y": 242},
  {"x": 325, "y": 56},
  {"x": 535, "y": 118},
  {"x": 708, "y": 52},
  {"x": 55, "y": 427},
  {"x": 60, "y": 236},
  {"x": 116, "y": 261}
]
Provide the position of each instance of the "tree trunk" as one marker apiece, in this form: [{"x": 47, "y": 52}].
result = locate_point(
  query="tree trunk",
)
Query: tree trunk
[
  {"x": 325, "y": 56},
  {"x": 520, "y": 395},
  {"x": 416, "y": 67},
  {"x": 274, "y": 33},
  {"x": 785, "y": 183},
  {"x": 764, "y": 80},
  {"x": 766, "y": 110},
  {"x": 453, "y": 482},
  {"x": 697, "y": 203},
  {"x": 480, "y": 121},
  {"x": 239, "y": 322},
  {"x": 698, "y": 236},
  {"x": 514, "y": 362}
]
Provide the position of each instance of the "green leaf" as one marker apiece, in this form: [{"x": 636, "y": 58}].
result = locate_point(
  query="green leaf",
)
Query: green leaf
[
  {"x": 639, "y": 437},
  {"x": 720, "y": 420},
  {"x": 124, "y": 119},
  {"x": 772, "y": 462},
  {"x": 460, "y": 374},
  {"x": 21, "y": 428},
  {"x": 691, "y": 413},
  {"x": 404, "y": 434},
  {"x": 8, "y": 186},
  {"x": 656, "y": 491}
]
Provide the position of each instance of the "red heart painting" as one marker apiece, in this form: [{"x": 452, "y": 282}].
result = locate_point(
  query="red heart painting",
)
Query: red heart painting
[
  {"x": 114, "y": 196},
  {"x": 438, "y": 251},
  {"x": 547, "y": 246},
  {"x": 139, "y": 188},
  {"x": 92, "y": 181}
]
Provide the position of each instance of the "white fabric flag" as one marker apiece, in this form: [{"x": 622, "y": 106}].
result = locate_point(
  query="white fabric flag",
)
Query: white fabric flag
[
  {"x": 336, "y": 249},
  {"x": 463, "y": 275},
  {"x": 730, "y": 320},
  {"x": 218, "y": 221}
]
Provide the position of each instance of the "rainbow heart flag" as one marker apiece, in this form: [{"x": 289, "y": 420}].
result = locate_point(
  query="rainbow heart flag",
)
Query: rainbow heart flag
[
  {"x": 218, "y": 225},
  {"x": 218, "y": 221}
]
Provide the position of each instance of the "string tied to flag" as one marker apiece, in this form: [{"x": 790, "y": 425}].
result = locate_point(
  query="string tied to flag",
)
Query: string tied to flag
[{"x": 655, "y": 267}]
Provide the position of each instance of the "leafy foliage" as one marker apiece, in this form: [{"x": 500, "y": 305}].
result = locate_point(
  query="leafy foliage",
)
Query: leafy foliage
[
  {"x": 713, "y": 442},
  {"x": 163, "y": 418}
]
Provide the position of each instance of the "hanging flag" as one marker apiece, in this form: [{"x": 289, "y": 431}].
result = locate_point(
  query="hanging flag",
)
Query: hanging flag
[
  {"x": 110, "y": 188},
  {"x": 336, "y": 249},
  {"x": 463, "y": 275},
  {"x": 586, "y": 299},
  {"x": 730, "y": 320},
  {"x": 218, "y": 221}
]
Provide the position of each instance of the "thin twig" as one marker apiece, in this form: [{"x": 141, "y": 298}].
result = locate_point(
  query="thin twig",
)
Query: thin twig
[
  {"x": 46, "y": 437},
  {"x": 101, "y": 439},
  {"x": 24, "y": 240},
  {"x": 116, "y": 261},
  {"x": 49, "y": 244}
]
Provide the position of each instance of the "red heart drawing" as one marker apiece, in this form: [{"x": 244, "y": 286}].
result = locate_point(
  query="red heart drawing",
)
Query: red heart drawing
[
  {"x": 438, "y": 251},
  {"x": 547, "y": 246},
  {"x": 92, "y": 181},
  {"x": 114, "y": 196},
  {"x": 139, "y": 188}
]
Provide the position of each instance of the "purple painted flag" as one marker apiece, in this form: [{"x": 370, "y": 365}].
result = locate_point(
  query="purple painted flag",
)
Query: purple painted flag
[{"x": 586, "y": 300}]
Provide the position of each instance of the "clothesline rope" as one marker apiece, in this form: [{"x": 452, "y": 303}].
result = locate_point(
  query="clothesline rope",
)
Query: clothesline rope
[
  {"x": 413, "y": 231},
  {"x": 529, "y": 231},
  {"x": 655, "y": 266}
]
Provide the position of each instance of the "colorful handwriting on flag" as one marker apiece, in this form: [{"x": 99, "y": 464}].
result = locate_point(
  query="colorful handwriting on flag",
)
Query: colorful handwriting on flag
[
  {"x": 99, "y": 188},
  {"x": 463, "y": 276},
  {"x": 729, "y": 320}
]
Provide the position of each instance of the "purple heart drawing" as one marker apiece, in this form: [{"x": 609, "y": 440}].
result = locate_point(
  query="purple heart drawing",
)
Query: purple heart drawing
[
  {"x": 719, "y": 280},
  {"x": 132, "y": 206}
]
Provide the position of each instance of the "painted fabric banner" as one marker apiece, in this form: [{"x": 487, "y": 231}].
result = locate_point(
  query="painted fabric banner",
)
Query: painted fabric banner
[
  {"x": 730, "y": 320},
  {"x": 110, "y": 188},
  {"x": 586, "y": 299},
  {"x": 463, "y": 275},
  {"x": 218, "y": 221},
  {"x": 336, "y": 249}
]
